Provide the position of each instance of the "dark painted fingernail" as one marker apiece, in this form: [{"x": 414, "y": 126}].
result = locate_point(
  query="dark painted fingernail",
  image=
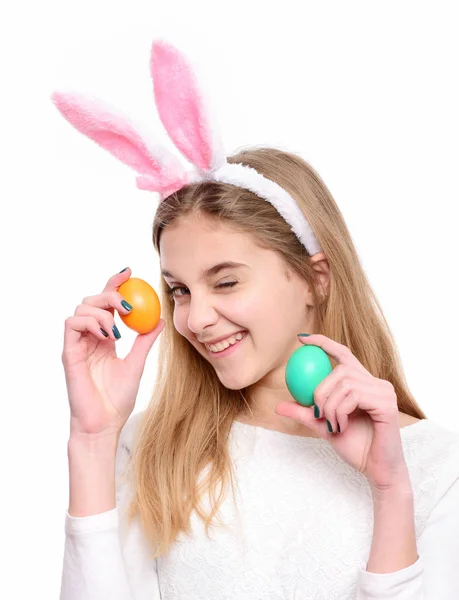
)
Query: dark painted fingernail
[
  {"x": 104, "y": 332},
  {"x": 330, "y": 428},
  {"x": 304, "y": 334},
  {"x": 122, "y": 270},
  {"x": 116, "y": 332},
  {"x": 316, "y": 411},
  {"x": 126, "y": 305}
]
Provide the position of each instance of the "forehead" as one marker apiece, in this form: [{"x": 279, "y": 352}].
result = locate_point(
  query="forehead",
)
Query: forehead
[{"x": 193, "y": 246}]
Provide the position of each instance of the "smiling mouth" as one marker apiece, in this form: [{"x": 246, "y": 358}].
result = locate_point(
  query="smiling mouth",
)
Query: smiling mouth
[{"x": 221, "y": 347}]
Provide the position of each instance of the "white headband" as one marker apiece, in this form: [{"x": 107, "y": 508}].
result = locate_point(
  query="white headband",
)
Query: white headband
[{"x": 190, "y": 125}]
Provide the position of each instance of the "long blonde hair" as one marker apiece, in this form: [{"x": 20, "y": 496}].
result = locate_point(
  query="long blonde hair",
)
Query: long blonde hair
[{"x": 187, "y": 423}]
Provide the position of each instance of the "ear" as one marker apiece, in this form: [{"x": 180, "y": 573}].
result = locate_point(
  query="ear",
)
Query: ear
[
  {"x": 159, "y": 170},
  {"x": 182, "y": 109}
]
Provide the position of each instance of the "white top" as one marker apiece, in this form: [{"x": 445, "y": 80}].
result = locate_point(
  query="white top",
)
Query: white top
[{"x": 303, "y": 531}]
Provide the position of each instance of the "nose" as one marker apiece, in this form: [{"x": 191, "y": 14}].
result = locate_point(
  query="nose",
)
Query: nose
[{"x": 202, "y": 313}]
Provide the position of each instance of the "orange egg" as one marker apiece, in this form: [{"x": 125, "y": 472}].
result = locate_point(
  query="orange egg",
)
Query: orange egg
[{"x": 146, "y": 309}]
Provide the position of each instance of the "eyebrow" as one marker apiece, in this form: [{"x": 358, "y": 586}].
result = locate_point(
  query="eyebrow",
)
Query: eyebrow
[{"x": 213, "y": 270}]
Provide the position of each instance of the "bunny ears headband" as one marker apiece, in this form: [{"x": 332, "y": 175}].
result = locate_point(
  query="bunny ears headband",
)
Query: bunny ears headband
[{"x": 188, "y": 122}]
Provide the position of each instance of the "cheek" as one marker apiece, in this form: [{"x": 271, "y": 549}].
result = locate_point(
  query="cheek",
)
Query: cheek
[
  {"x": 242, "y": 312},
  {"x": 259, "y": 308},
  {"x": 274, "y": 317},
  {"x": 246, "y": 311},
  {"x": 267, "y": 312}
]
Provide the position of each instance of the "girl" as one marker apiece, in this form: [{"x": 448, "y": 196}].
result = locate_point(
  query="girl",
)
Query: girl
[{"x": 224, "y": 487}]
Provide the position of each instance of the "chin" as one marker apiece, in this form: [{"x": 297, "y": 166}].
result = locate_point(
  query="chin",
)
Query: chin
[
  {"x": 240, "y": 382},
  {"x": 232, "y": 383}
]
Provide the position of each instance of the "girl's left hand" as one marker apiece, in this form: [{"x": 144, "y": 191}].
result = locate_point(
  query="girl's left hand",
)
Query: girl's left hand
[{"x": 366, "y": 410}]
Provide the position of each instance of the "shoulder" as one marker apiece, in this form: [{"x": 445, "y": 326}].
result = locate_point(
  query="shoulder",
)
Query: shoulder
[
  {"x": 445, "y": 450},
  {"x": 430, "y": 446},
  {"x": 432, "y": 457},
  {"x": 445, "y": 468},
  {"x": 407, "y": 419}
]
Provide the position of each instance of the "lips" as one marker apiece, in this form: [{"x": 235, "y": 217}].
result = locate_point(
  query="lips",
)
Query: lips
[
  {"x": 229, "y": 347},
  {"x": 223, "y": 339}
]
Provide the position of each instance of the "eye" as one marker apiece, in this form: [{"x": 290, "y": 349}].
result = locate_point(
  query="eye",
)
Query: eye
[{"x": 171, "y": 291}]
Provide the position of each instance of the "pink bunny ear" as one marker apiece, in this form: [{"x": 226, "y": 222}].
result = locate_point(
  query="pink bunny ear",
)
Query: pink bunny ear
[
  {"x": 159, "y": 170},
  {"x": 182, "y": 108}
]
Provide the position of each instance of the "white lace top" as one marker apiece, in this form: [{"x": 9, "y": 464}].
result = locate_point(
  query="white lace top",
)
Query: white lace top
[{"x": 302, "y": 532}]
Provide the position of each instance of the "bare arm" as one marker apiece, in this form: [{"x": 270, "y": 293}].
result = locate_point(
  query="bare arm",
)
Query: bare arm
[
  {"x": 393, "y": 545},
  {"x": 91, "y": 475}
]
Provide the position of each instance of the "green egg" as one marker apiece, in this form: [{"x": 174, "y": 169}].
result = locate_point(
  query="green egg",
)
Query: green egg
[{"x": 305, "y": 369}]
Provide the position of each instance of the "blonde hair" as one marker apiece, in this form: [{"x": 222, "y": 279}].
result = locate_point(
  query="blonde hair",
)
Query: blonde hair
[{"x": 187, "y": 423}]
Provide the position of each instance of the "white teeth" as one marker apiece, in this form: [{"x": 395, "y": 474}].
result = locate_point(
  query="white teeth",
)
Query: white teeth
[{"x": 225, "y": 343}]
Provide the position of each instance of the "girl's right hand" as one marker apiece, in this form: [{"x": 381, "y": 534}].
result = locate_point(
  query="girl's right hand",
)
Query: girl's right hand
[{"x": 102, "y": 388}]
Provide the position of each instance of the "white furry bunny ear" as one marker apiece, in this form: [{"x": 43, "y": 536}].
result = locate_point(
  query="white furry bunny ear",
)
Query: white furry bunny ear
[
  {"x": 158, "y": 169},
  {"x": 184, "y": 112}
]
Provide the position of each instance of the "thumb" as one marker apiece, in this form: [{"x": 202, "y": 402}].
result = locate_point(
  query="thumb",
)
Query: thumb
[
  {"x": 141, "y": 347},
  {"x": 304, "y": 415}
]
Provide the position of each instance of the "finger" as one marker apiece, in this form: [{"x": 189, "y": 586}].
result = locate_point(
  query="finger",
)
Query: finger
[
  {"x": 76, "y": 326},
  {"x": 350, "y": 395},
  {"x": 104, "y": 317},
  {"x": 338, "y": 352},
  {"x": 107, "y": 301},
  {"x": 349, "y": 405},
  {"x": 304, "y": 415},
  {"x": 334, "y": 407},
  {"x": 141, "y": 347},
  {"x": 116, "y": 280},
  {"x": 327, "y": 385}
]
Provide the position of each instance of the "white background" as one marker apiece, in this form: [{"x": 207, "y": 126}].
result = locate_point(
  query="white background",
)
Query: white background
[{"x": 366, "y": 92}]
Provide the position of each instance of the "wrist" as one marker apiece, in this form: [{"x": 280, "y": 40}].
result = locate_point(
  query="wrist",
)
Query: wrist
[
  {"x": 401, "y": 492},
  {"x": 93, "y": 445},
  {"x": 393, "y": 544},
  {"x": 398, "y": 487},
  {"x": 92, "y": 464}
]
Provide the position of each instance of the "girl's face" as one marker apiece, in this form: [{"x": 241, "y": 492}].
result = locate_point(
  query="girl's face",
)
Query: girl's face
[{"x": 213, "y": 301}]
